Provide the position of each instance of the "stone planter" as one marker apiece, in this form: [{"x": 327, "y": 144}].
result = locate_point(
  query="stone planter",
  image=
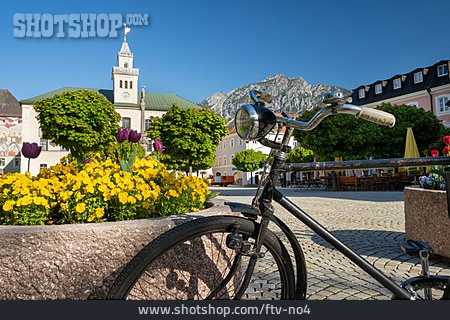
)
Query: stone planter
[
  {"x": 426, "y": 218},
  {"x": 76, "y": 261}
]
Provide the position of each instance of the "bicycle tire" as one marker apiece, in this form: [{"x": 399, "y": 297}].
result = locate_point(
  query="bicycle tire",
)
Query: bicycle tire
[
  {"x": 164, "y": 269},
  {"x": 437, "y": 284}
]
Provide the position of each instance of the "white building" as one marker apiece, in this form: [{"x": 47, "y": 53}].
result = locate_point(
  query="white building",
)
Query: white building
[
  {"x": 231, "y": 144},
  {"x": 135, "y": 108},
  {"x": 10, "y": 132}
]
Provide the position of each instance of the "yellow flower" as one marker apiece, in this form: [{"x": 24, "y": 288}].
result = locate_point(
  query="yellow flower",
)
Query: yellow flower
[
  {"x": 99, "y": 212},
  {"x": 146, "y": 205},
  {"x": 123, "y": 197},
  {"x": 80, "y": 207},
  {"x": 7, "y": 206},
  {"x": 131, "y": 199}
]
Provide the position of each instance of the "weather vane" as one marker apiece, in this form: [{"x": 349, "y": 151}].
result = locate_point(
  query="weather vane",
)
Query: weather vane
[{"x": 126, "y": 30}]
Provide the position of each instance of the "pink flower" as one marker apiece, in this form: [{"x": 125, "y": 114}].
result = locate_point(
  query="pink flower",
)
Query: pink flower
[
  {"x": 446, "y": 150},
  {"x": 434, "y": 153},
  {"x": 446, "y": 139}
]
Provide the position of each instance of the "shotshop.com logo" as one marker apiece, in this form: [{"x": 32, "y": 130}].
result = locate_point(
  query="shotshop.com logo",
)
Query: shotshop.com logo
[{"x": 74, "y": 25}]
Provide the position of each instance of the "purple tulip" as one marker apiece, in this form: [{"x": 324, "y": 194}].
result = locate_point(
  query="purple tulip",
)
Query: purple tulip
[
  {"x": 122, "y": 135},
  {"x": 134, "y": 136},
  {"x": 86, "y": 161},
  {"x": 31, "y": 150},
  {"x": 158, "y": 145}
]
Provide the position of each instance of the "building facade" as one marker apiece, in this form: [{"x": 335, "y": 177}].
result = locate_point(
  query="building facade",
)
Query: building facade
[
  {"x": 135, "y": 107},
  {"x": 10, "y": 132},
  {"x": 427, "y": 88},
  {"x": 232, "y": 144}
]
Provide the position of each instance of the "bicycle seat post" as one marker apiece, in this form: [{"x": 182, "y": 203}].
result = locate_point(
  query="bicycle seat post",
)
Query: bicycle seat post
[{"x": 424, "y": 255}]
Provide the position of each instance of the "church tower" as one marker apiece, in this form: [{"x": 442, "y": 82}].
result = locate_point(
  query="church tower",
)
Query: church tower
[{"x": 125, "y": 77}]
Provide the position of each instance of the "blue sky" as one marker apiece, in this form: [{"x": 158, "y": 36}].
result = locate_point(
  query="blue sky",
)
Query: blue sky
[{"x": 196, "y": 47}]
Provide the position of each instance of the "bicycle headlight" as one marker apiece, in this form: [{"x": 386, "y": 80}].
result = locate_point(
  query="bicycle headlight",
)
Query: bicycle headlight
[{"x": 253, "y": 122}]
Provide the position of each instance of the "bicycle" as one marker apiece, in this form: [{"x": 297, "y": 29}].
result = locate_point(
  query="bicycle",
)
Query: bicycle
[{"x": 223, "y": 257}]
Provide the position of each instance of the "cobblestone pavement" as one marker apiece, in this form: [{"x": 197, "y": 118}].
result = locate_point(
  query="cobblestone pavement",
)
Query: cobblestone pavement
[{"x": 371, "y": 223}]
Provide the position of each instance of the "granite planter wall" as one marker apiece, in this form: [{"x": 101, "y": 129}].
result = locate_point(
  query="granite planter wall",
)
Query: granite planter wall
[
  {"x": 76, "y": 261},
  {"x": 426, "y": 218}
]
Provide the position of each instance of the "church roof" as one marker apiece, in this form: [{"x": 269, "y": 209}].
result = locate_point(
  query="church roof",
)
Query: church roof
[
  {"x": 153, "y": 101},
  {"x": 9, "y": 106}
]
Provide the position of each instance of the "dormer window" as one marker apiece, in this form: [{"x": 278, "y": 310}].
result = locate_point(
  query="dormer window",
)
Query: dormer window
[
  {"x": 442, "y": 70},
  {"x": 378, "y": 88},
  {"x": 418, "y": 77},
  {"x": 397, "y": 84},
  {"x": 361, "y": 93}
]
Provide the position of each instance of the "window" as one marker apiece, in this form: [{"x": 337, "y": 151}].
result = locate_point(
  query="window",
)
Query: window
[
  {"x": 126, "y": 122},
  {"x": 44, "y": 144},
  {"x": 16, "y": 162},
  {"x": 361, "y": 93},
  {"x": 125, "y": 65},
  {"x": 414, "y": 104},
  {"x": 240, "y": 142},
  {"x": 131, "y": 84},
  {"x": 42, "y": 165},
  {"x": 224, "y": 144},
  {"x": 378, "y": 88},
  {"x": 418, "y": 77},
  {"x": 225, "y": 161},
  {"x": 442, "y": 70},
  {"x": 147, "y": 124},
  {"x": 441, "y": 103},
  {"x": 120, "y": 84},
  {"x": 397, "y": 83},
  {"x": 219, "y": 161},
  {"x": 126, "y": 84},
  {"x": 232, "y": 143},
  {"x": 149, "y": 145},
  {"x": 2, "y": 162}
]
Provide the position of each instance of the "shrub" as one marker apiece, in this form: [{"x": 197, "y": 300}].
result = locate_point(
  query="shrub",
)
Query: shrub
[{"x": 98, "y": 191}]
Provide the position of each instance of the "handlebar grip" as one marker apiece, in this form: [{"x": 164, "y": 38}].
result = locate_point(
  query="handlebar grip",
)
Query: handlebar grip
[{"x": 377, "y": 116}]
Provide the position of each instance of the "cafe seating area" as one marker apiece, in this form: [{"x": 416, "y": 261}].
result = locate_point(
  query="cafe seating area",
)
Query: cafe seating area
[{"x": 375, "y": 182}]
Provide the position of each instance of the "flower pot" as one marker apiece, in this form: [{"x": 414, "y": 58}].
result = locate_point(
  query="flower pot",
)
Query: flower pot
[
  {"x": 78, "y": 261},
  {"x": 426, "y": 218}
]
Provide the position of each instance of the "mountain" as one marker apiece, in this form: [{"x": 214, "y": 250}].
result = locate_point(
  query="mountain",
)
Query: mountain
[{"x": 291, "y": 95}]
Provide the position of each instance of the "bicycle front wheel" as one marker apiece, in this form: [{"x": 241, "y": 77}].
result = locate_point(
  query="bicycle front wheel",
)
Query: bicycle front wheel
[{"x": 193, "y": 261}]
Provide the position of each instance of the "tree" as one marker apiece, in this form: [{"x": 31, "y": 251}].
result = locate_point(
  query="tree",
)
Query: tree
[
  {"x": 339, "y": 136},
  {"x": 300, "y": 154},
  {"x": 426, "y": 127},
  {"x": 249, "y": 160},
  {"x": 80, "y": 121},
  {"x": 351, "y": 138},
  {"x": 190, "y": 137}
]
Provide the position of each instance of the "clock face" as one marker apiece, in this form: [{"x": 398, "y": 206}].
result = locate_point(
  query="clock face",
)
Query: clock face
[{"x": 125, "y": 95}]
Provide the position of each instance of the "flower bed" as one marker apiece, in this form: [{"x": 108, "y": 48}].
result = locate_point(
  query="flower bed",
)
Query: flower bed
[
  {"x": 96, "y": 192},
  {"x": 77, "y": 261}
]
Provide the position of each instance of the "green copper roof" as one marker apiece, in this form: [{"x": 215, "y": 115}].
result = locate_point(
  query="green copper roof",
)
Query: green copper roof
[{"x": 153, "y": 101}]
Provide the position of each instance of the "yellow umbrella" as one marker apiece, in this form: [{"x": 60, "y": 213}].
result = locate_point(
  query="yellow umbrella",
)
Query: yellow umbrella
[{"x": 411, "y": 150}]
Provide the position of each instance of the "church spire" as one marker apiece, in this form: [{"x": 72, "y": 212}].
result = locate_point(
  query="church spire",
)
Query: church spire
[{"x": 125, "y": 49}]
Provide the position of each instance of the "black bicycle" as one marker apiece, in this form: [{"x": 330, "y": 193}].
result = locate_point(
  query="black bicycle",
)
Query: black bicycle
[{"x": 240, "y": 257}]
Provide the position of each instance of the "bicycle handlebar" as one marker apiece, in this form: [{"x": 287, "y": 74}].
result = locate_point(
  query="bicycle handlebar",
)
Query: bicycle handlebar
[{"x": 369, "y": 114}]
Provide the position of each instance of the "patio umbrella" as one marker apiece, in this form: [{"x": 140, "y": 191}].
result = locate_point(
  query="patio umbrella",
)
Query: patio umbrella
[{"x": 411, "y": 150}]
